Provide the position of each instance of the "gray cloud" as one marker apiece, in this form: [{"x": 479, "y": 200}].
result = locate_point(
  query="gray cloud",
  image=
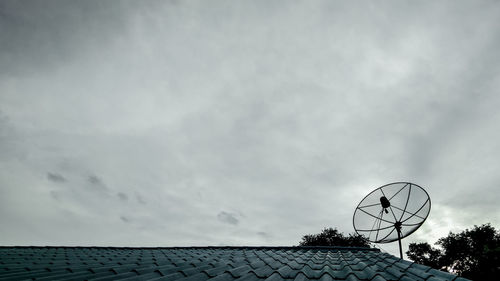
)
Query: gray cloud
[
  {"x": 125, "y": 219},
  {"x": 264, "y": 234},
  {"x": 122, "y": 196},
  {"x": 94, "y": 180},
  {"x": 140, "y": 199},
  {"x": 43, "y": 35},
  {"x": 289, "y": 112},
  {"x": 55, "y": 195},
  {"x": 228, "y": 218},
  {"x": 96, "y": 185},
  {"x": 55, "y": 177}
]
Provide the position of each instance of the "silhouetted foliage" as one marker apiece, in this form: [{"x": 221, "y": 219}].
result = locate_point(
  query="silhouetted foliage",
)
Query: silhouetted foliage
[
  {"x": 332, "y": 237},
  {"x": 474, "y": 254},
  {"x": 424, "y": 253}
]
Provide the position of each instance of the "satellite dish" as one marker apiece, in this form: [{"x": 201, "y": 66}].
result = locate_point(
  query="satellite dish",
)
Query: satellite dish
[{"x": 392, "y": 212}]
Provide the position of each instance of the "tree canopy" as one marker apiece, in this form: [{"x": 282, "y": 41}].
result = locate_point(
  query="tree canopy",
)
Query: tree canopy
[
  {"x": 332, "y": 237},
  {"x": 474, "y": 253}
]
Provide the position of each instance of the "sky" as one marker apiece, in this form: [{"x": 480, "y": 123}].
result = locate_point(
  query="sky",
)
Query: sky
[{"x": 194, "y": 123}]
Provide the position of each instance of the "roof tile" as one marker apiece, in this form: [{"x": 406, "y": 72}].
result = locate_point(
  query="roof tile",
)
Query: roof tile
[
  {"x": 240, "y": 271},
  {"x": 264, "y": 271},
  {"x": 196, "y": 270},
  {"x": 274, "y": 277},
  {"x": 366, "y": 274},
  {"x": 113, "y": 277},
  {"x": 295, "y": 265},
  {"x": 310, "y": 273},
  {"x": 407, "y": 278},
  {"x": 403, "y": 264},
  {"x": 287, "y": 272},
  {"x": 196, "y": 277},
  {"x": 387, "y": 276},
  {"x": 222, "y": 277},
  {"x": 210, "y": 263},
  {"x": 212, "y": 272},
  {"x": 171, "y": 277},
  {"x": 460, "y": 279},
  {"x": 395, "y": 271},
  {"x": 441, "y": 274},
  {"x": 250, "y": 276},
  {"x": 147, "y": 276},
  {"x": 438, "y": 279},
  {"x": 378, "y": 278},
  {"x": 419, "y": 273},
  {"x": 257, "y": 264},
  {"x": 326, "y": 277},
  {"x": 341, "y": 273},
  {"x": 301, "y": 277}
]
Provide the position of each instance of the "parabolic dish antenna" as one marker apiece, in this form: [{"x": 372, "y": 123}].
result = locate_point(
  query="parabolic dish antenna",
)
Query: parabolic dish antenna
[{"x": 392, "y": 212}]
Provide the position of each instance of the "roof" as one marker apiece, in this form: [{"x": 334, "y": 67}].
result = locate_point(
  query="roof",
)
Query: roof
[{"x": 210, "y": 263}]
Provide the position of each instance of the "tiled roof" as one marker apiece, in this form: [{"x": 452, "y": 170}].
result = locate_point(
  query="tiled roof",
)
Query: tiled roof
[{"x": 210, "y": 263}]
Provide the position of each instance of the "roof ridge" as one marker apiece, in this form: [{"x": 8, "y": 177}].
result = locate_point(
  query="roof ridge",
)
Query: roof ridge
[{"x": 205, "y": 247}]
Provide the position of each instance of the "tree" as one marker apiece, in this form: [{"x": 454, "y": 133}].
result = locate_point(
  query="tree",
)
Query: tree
[
  {"x": 424, "y": 253},
  {"x": 332, "y": 237},
  {"x": 473, "y": 254}
]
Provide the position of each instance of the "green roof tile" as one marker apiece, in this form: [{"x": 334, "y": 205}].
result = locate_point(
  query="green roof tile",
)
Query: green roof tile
[
  {"x": 250, "y": 276},
  {"x": 240, "y": 271},
  {"x": 223, "y": 277}
]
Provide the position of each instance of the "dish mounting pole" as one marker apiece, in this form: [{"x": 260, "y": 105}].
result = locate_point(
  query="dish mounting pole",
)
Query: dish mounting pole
[{"x": 397, "y": 225}]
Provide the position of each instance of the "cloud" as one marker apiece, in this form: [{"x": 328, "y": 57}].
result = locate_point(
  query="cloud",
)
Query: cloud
[
  {"x": 96, "y": 185},
  {"x": 291, "y": 124},
  {"x": 228, "y": 218},
  {"x": 55, "y": 195},
  {"x": 59, "y": 33},
  {"x": 94, "y": 180},
  {"x": 122, "y": 196},
  {"x": 140, "y": 199},
  {"x": 264, "y": 234},
  {"x": 55, "y": 177}
]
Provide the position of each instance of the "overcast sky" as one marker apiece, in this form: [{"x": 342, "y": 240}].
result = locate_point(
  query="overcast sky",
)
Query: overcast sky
[{"x": 179, "y": 123}]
